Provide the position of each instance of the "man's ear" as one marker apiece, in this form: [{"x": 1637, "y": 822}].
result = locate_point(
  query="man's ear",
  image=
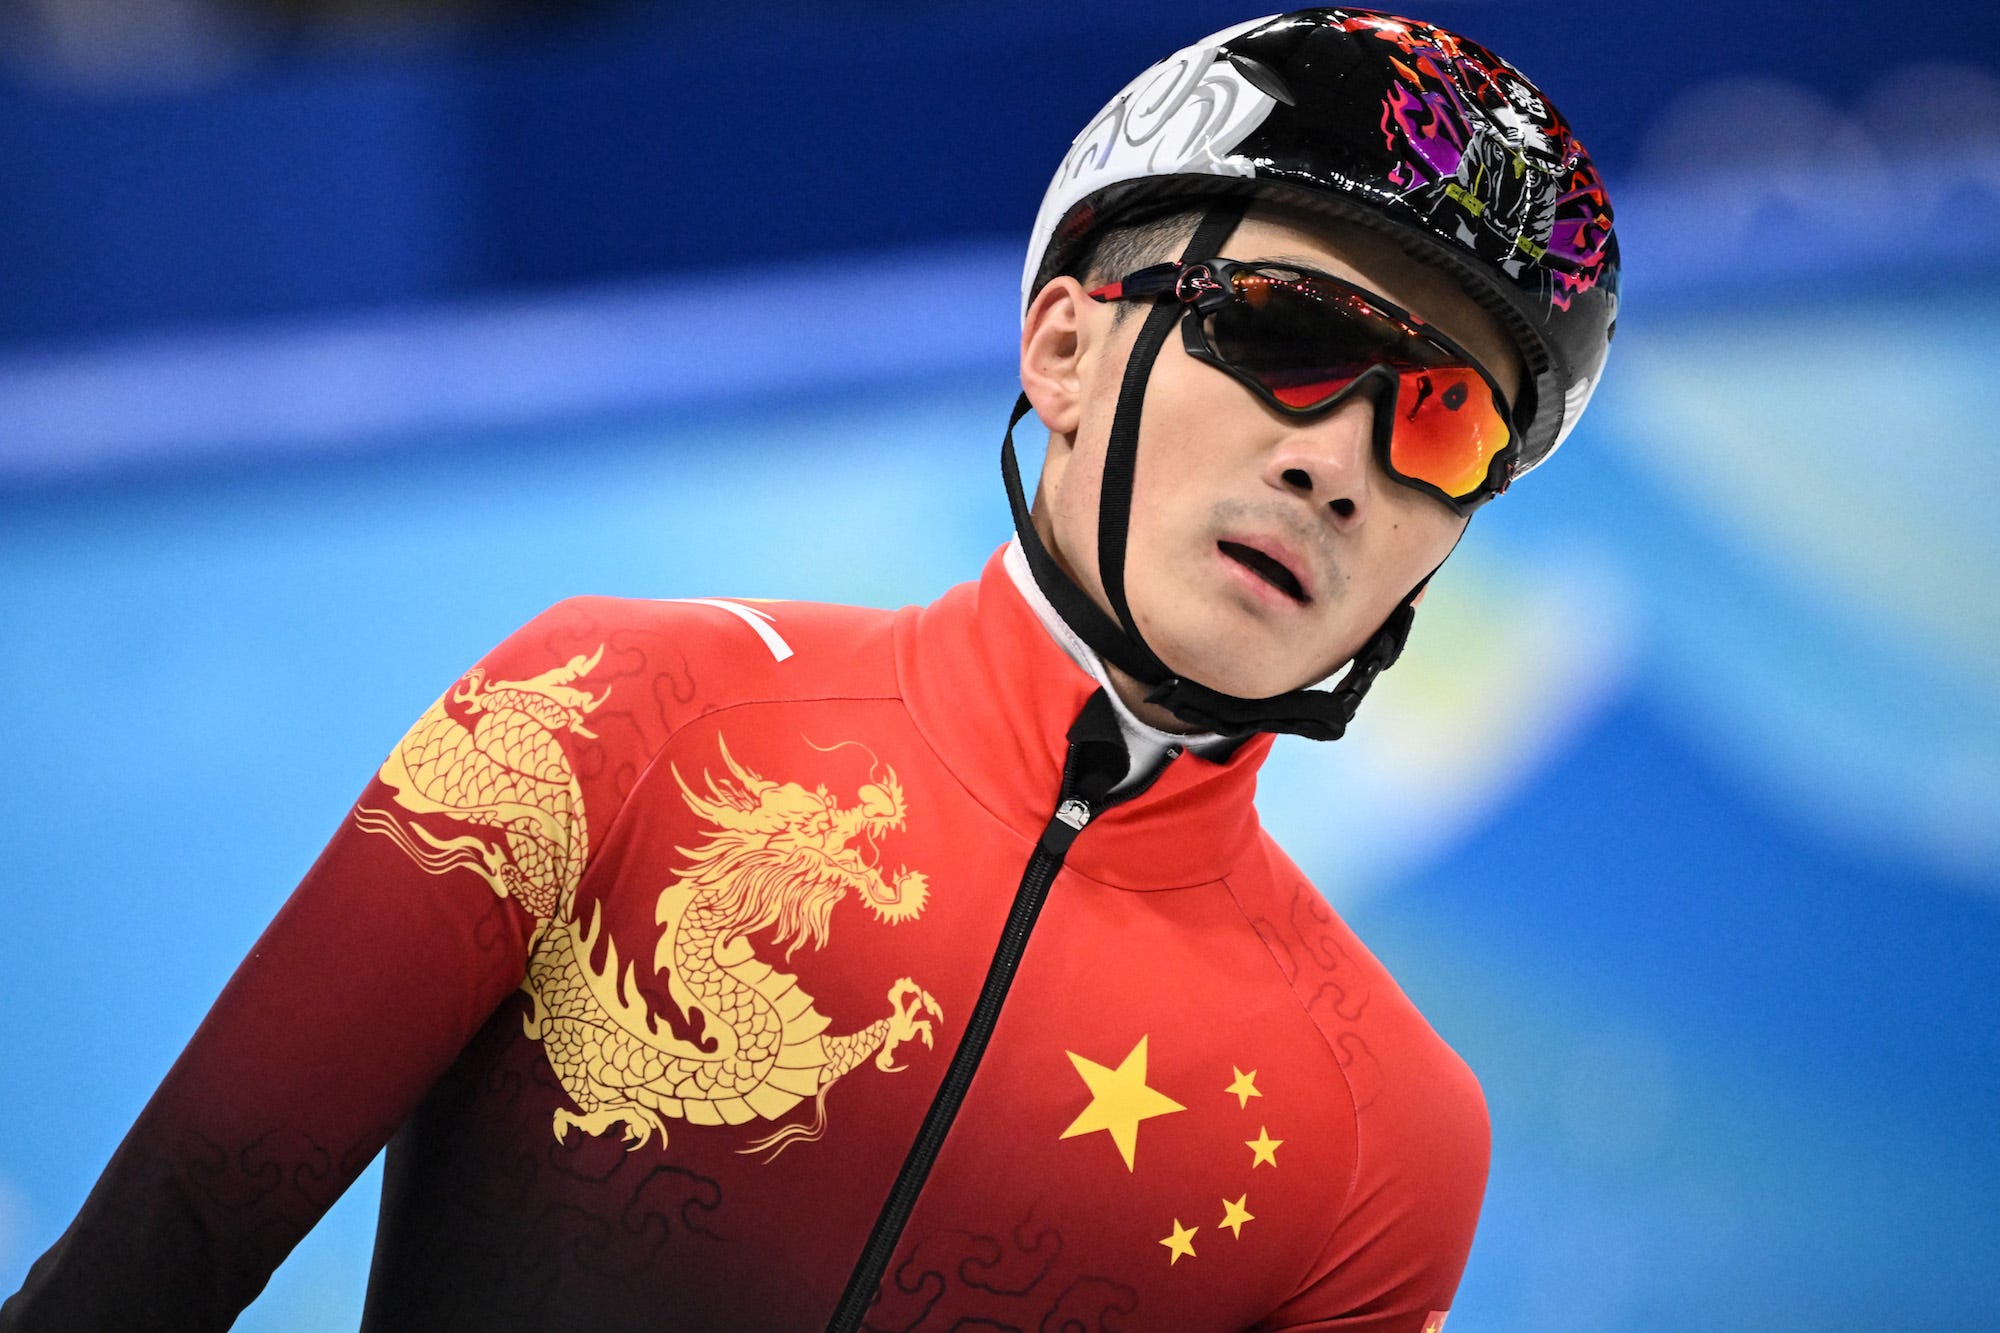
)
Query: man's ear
[{"x": 1053, "y": 341}]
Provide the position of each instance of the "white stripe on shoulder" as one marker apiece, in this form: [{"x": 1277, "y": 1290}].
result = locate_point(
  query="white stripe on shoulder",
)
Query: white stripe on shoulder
[{"x": 760, "y": 621}]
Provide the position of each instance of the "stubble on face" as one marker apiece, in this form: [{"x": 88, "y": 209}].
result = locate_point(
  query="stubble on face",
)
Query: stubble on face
[{"x": 1234, "y": 600}]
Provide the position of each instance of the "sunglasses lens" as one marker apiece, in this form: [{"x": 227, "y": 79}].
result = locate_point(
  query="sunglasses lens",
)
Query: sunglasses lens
[
  {"x": 1305, "y": 340},
  {"x": 1298, "y": 347},
  {"x": 1448, "y": 428}
]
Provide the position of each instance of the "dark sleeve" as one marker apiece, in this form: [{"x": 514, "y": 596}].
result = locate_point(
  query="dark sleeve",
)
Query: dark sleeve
[{"x": 406, "y": 934}]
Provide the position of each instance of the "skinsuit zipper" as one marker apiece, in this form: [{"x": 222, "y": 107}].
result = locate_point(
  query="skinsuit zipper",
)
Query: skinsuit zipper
[{"x": 1096, "y": 763}]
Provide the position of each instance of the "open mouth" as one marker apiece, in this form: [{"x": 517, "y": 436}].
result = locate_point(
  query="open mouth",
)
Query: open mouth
[{"x": 1265, "y": 568}]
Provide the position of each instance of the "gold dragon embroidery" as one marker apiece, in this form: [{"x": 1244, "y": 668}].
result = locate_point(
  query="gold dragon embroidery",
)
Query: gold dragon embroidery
[
  {"x": 504, "y": 774},
  {"x": 741, "y": 1040}
]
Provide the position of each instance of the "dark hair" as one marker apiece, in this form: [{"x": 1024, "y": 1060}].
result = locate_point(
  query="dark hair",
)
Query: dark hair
[{"x": 1125, "y": 247}]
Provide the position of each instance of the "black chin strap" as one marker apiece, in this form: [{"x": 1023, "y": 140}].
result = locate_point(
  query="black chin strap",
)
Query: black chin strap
[{"x": 1318, "y": 714}]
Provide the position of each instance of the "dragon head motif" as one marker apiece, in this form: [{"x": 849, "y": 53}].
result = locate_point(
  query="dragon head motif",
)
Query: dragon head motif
[{"x": 782, "y": 857}]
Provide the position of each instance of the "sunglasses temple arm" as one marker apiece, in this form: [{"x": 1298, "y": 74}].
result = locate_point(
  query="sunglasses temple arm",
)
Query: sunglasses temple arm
[{"x": 1155, "y": 280}]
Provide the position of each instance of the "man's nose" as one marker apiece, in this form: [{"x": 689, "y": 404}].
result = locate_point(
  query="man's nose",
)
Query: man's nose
[{"x": 1329, "y": 460}]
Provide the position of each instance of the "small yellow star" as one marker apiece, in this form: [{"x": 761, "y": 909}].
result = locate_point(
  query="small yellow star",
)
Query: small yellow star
[
  {"x": 1234, "y": 1215},
  {"x": 1180, "y": 1243},
  {"x": 1245, "y": 1087},
  {"x": 1119, "y": 1100},
  {"x": 1263, "y": 1148}
]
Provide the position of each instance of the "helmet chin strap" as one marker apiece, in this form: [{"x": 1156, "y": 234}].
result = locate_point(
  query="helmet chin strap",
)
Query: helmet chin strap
[{"x": 1318, "y": 714}]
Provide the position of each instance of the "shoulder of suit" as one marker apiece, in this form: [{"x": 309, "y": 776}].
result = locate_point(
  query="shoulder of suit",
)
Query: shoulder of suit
[{"x": 734, "y": 648}]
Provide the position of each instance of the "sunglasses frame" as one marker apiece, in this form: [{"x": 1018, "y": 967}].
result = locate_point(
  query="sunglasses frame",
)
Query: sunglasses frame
[{"x": 1206, "y": 286}]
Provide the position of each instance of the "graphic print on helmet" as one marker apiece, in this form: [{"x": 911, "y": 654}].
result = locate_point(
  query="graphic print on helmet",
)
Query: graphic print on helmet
[{"x": 1445, "y": 86}]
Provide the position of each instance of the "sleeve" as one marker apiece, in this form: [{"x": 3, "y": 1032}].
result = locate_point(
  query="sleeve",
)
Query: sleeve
[{"x": 409, "y": 930}]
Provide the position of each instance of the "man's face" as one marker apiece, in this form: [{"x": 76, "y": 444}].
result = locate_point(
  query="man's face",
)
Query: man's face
[{"x": 1226, "y": 486}]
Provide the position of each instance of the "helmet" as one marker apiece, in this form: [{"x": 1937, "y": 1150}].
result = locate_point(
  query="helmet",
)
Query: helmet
[
  {"x": 1394, "y": 125},
  {"x": 1390, "y": 123}
]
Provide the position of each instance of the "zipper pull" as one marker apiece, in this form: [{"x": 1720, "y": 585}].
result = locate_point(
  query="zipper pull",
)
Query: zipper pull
[
  {"x": 1097, "y": 760},
  {"x": 1070, "y": 817}
]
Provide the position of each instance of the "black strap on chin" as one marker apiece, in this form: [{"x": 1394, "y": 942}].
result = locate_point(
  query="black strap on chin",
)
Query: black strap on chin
[
  {"x": 1320, "y": 715},
  {"x": 1316, "y": 714}
]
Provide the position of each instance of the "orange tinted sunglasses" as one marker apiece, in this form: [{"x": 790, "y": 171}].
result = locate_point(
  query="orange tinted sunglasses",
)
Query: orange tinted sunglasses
[{"x": 1305, "y": 342}]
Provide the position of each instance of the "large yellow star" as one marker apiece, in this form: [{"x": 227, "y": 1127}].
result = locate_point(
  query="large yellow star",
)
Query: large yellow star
[
  {"x": 1180, "y": 1243},
  {"x": 1119, "y": 1100},
  {"x": 1263, "y": 1148},
  {"x": 1234, "y": 1215},
  {"x": 1245, "y": 1087}
]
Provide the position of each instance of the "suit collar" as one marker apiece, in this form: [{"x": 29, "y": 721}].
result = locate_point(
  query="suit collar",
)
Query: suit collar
[{"x": 994, "y": 695}]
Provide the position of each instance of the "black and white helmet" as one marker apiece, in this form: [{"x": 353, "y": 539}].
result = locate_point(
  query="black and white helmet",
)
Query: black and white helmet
[{"x": 1390, "y": 123}]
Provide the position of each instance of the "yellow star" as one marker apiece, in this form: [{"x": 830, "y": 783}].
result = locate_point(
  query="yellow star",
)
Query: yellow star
[
  {"x": 1234, "y": 1215},
  {"x": 1263, "y": 1148},
  {"x": 1180, "y": 1243},
  {"x": 1245, "y": 1087},
  {"x": 1119, "y": 1100}
]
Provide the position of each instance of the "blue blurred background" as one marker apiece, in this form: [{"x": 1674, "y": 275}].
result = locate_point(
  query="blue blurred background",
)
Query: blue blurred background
[{"x": 338, "y": 337}]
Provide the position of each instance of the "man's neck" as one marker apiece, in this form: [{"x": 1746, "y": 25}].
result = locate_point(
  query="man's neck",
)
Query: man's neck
[{"x": 1149, "y": 729}]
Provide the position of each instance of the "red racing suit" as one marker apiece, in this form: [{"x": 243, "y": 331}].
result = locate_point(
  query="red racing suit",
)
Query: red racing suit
[{"x": 648, "y": 951}]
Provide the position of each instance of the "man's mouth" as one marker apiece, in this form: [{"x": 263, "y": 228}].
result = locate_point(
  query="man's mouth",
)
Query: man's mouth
[{"x": 1264, "y": 567}]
